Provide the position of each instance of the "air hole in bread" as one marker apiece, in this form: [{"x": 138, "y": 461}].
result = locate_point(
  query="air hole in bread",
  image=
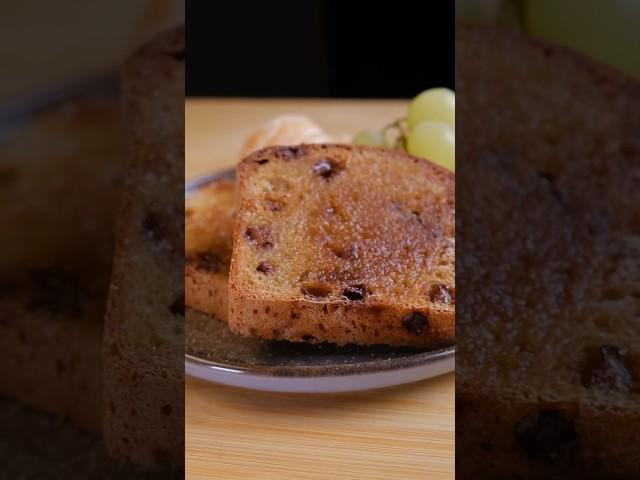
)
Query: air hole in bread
[
  {"x": 263, "y": 161},
  {"x": 315, "y": 289},
  {"x": 55, "y": 290},
  {"x": 326, "y": 168},
  {"x": 347, "y": 252},
  {"x": 547, "y": 51},
  {"x": 549, "y": 177},
  {"x": 177, "y": 307},
  {"x": 278, "y": 185},
  {"x": 160, "y": 228},
  {"x": 167, "y": 410},
  {"x": 440, "y": 293},
  {"x": 309, "y": 339},
  {"x": 178, "y": 55},
  {"x": 207, "y": 262},
  {"x": 274, "y": 204},
  {"x": 355, "y": 292},
  {"x": 609, "y": 368},
  {"x": 262, "y": 236},
  {"x": 627, "y": 150},
  {"x": 288, "y": 153},
  {"x": 415, "y": 323},
  {"x": 264, "y": 267},
  {"x": 322, "y": 327},
  {"x": 548, "y": 436},
  {"x": 602, "y": 323},
  {"x": 8, "y": 176},
  {"x": 613, "y": 294}
]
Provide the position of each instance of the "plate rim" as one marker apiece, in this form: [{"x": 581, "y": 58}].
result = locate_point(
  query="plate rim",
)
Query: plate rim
[{"x": 323, "y": 384}]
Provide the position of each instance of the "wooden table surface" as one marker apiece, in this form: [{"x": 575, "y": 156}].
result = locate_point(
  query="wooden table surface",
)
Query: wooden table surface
[{"x": 399, "y": 433}]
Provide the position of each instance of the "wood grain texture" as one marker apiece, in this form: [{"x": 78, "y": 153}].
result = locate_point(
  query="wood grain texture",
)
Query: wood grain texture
[{"x": 400, "y": 433}]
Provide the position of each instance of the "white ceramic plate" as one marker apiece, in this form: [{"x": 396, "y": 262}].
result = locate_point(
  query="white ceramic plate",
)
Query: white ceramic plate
[{"x": 215, "y": 354}]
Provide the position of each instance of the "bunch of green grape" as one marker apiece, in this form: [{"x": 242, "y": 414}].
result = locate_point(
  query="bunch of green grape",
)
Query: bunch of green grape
[{"x": 428, "y": 131}]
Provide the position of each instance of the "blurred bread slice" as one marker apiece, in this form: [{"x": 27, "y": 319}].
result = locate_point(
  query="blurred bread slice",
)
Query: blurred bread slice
[
  {"x": 59, "y": 184},
  {"x": 143, "y": 352}
]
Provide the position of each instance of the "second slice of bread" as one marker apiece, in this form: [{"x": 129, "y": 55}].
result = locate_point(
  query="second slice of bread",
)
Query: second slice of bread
[
  {"x": 345, "y": 245},
  {"x": 209, "y": 219}
]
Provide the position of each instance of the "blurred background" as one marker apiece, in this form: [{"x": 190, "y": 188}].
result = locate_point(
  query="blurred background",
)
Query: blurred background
[
  {"x": 49, "y": 43},
  {"x": 318, "y": 48},
  {"x": 606, "y": 30},
  {"x": 61, "y": 169}
]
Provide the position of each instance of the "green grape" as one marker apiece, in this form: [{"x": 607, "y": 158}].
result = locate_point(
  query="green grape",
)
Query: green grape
[
  {"x": 373, "y": 138},
  {"x": 603, "y": 29},
  {"x": 436, "y": 104},
  {"x": 435, "y": 141}
]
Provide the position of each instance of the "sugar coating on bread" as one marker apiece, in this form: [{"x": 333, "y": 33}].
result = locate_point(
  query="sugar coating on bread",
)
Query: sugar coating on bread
[
  {"x": 209, "y": 220},
  {"x": 550, "y": 253},
  {"x": 345, "y": 245}
]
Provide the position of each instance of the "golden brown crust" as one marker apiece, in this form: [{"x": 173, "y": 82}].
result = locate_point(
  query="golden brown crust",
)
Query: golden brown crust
[{"x": 343, "y": 244}]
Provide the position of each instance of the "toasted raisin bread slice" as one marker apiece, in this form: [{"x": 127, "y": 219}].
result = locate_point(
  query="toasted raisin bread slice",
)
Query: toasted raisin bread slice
[
  {"x": 58, "y": 192},
  {"x": 343, "y": 244},
  {"x": 209, "y": 220},
  {"x": 144, "y": 324},
  {"x": 548, "y": 363}
]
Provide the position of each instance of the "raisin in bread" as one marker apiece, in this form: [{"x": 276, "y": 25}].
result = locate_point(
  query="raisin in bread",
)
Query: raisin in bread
[
  {"x": 144, "y": 325},
  {"x": 59, "y": 184},
  {"x": 345, "y": 245},
  {"x": 209, "y": 219},
  {"x": 548, "y": 363}
]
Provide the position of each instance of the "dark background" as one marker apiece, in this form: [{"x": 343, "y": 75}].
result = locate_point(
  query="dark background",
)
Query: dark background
[{"x": 313, "y": 48}]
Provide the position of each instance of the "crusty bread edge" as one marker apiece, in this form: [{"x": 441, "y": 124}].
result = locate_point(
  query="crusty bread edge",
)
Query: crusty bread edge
[{"x": 343, "y": 322}]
